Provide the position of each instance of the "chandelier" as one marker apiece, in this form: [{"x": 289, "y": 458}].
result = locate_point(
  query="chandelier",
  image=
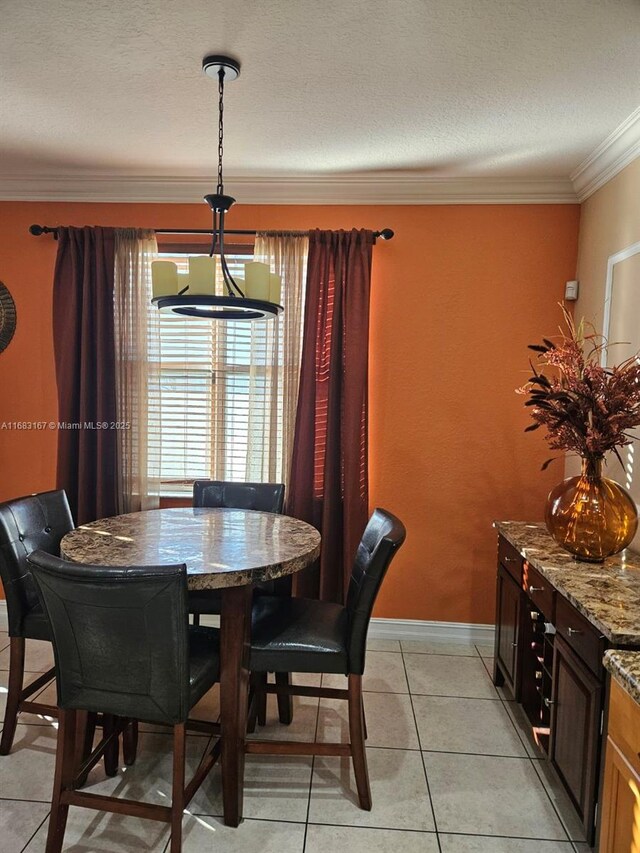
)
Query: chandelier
[{"x": 258, "y": 295}]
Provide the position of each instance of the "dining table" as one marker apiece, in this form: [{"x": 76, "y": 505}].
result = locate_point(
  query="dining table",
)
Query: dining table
[{"x": 223, "y": 549}]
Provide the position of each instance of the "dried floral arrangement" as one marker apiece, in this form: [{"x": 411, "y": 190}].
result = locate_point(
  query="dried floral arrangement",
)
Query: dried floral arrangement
[{"x": 586, "y": 408}]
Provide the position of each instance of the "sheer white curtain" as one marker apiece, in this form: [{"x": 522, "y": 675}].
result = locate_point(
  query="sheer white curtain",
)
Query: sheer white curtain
[
  {"x": 136, "y": 328},
  {"x": 222, "y": 396},
  {"x": 274, "y": 372}
]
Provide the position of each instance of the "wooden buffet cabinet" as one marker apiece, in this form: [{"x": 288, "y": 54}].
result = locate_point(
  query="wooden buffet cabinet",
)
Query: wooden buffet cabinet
[{"x": 555, "y": 618}]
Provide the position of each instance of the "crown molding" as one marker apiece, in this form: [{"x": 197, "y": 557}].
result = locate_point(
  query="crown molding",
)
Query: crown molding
[
  {"x": 381, "y": 188},
  {"x": 618, "y": 150},
  {"x": 609, "y": 158}
]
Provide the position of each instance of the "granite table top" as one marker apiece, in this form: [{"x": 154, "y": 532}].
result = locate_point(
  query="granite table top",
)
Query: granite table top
[
  {"x": 624, "y": 666},
  {"x": 607, "y": 594},
  {"x": 221, "y": 547}
]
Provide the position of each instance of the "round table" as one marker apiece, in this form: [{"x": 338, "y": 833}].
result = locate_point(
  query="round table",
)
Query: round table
[
  {"x": 221, "y": 547},
  {"x": 226, "y": 549}
]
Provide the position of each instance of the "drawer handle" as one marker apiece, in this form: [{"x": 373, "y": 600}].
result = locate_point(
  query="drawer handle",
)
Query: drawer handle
[
  {"x": 572, "y": 631},
  {"x": 533, "y": 589},
  {"x": 549, "y": 702},
  {"x": 510, "y": 559},
  {"x": 515, "y": 645}
]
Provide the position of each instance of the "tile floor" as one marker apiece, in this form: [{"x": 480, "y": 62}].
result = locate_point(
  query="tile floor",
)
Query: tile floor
[{"x": 452, "y": 771}]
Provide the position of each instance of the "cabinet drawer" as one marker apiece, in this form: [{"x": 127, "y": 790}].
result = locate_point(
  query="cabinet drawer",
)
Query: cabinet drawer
[
  {"x": 585, "y": 640},
  {"x": 539, "y": 590},
  {"x": 511, "y": 559}
]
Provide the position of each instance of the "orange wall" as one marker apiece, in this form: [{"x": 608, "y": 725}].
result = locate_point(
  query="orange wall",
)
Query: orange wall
[{"x": 457, "y": 295}]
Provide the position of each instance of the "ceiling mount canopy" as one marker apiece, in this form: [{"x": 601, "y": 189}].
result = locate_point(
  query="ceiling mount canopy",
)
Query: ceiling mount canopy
[
  {"x": 213, "y": 64},
  {"x": 259, "y": 295}
]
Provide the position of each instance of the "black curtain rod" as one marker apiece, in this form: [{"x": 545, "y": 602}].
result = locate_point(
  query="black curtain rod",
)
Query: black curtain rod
[{"x": 38, "y": 230}]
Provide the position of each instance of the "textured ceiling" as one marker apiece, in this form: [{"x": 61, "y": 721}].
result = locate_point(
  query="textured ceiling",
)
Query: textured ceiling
[{"x": 496, "y": 88}]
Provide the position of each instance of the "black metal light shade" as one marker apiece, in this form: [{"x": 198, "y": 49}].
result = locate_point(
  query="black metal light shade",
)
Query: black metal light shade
[{"x": 218, "y": 307}]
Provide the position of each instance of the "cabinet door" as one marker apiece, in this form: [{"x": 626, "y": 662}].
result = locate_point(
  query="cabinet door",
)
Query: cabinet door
[
  {"x": 575, "y": 729},
  {"x": 620, "y": 803},
  {"x": 508, "y": 611}
]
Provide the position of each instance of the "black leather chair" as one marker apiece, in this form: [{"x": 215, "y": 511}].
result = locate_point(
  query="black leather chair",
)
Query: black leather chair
[
  {"x": 27, "y": 524},
  {"x": 123, "y": 647},
  {"x": 263, "y": 497},
  {"x": 303, "y": 635}
]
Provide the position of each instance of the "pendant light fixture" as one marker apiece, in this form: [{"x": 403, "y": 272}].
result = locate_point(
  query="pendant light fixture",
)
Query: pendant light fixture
[{"x": 261, "y": 294}]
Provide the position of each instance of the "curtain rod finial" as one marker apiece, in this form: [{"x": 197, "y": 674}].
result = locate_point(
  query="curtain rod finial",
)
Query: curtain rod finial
[
  {"x": 386, "y": 233},
  {"x": 38, "y": 230}
]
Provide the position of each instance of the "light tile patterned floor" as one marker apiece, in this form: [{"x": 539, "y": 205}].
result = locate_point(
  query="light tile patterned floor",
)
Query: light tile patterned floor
[{"x": 452, "y": 771}]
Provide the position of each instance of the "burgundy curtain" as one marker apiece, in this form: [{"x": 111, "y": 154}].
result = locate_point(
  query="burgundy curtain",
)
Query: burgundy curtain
[
  {"x": 329, "y": 472},
  {"x": 83, "y": 332}
]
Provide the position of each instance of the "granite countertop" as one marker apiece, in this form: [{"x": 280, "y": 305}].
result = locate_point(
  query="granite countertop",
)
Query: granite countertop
[
  {"x": 220, "y": 547},
  {"x": 624, "y": 666},
  {"x": 607, "y": 594}
]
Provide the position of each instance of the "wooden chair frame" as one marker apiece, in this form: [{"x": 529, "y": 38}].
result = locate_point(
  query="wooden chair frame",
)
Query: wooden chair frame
[
  {"x": 357, "y": 728},
  {"x": 69, "y": 773}
]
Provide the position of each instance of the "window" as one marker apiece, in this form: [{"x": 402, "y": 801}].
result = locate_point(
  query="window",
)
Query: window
[
  {"x": 216, "y": 392},
  {"x": 620, "y": 327}
]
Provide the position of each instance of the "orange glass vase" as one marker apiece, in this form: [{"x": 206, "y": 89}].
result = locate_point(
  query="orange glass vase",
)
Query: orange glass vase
[{"x": 591, "y": 516}]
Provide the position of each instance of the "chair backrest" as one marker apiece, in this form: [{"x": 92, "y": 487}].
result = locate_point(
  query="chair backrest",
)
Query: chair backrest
[
  {"x": 120, "y": 637},
  {"x": 35, "y": 522},
  {"x": 383, "y": 536},
  {"x": 265, "y": 497}
]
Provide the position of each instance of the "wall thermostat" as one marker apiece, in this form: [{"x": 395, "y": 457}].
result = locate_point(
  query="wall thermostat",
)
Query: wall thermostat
[{"x": 571, "y": 291}]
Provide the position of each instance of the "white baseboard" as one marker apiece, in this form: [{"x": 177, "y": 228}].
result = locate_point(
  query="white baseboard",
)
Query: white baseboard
[
  {"x": 417, "y": 629},
  {"x": 393, "y": 629}
]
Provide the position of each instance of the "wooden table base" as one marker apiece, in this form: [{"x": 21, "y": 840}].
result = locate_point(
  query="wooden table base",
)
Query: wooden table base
[{"x": 235, "y": 625}]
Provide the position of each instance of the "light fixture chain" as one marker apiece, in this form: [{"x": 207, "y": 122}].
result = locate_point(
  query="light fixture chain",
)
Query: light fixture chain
[{"x": 220, "y": 188}]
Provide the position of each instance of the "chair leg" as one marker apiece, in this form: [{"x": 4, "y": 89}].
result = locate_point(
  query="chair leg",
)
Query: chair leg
[
  {"x": 87, "y": 741},
  {"x": 130, "y": 743},
  {"x": 356, "y": 734},
  {"x": 112, "y": 754},
  {"x": 63, "y": 779},
  {"x": 196, "y": 619},
  {"x": 89, "y": 734},
  {"x": 14, "y": 692},
  {"x": 177, "y": 796},
  {"x": 252, "y": 715},
  {"x": 261, "y": 698},
  {"x": 285, "y": 703}
]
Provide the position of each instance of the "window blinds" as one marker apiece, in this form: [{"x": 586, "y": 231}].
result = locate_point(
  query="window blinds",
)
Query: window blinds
[{"x": 215, "y": 395}]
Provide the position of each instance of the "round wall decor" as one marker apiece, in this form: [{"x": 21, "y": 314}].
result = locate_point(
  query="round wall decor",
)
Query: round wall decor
[{"x": 7, "y": 317}]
